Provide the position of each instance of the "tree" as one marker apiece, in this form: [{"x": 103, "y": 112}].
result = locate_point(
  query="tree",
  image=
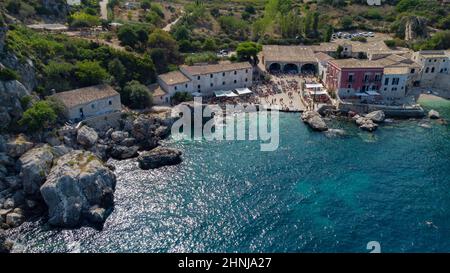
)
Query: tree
[
  {"x": 248, "y": 51},
  {"x": 160, "y": 60},
  {"x": 136, "y": 95},
  {"x": 132, "y": 35},
  {"x": 161, "y": 39},
  {"x": 146, "y": 4},
  {"x": 328, "y": 33},
  {"x": 339, "y": 50},
  {"x": 209, "y": 44},
  {"x": 180, "y": 97},
  {"x": 58, "y": 76},
  {"x": 181, "y": 33},
  {"x": 117, "y": 70},
  {"x": 90, "y": 73},
  {"x": 215, "y": 12},
  {"x": 82, "y": 19},
  {"x": 39, "y": 116},
  {"x": 346, "y": 22}
]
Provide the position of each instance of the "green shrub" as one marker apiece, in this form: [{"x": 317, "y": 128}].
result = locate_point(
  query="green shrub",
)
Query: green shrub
[
  {"x": 39, "y": 116},
  {"x": 7, "y": 74}
]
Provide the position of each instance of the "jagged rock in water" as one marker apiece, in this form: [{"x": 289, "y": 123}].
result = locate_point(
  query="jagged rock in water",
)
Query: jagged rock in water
[
  {"x": 159, "y": 157},
  {"x": 314, "y": 120},
  {"x": 34, "y": 166},
  {"x": 77, "y": 183},
  {"x": 376, "y": 116},
  {"x": 124, "y": 152},
  {"x": 86, "y": 136},
  {"x": 14, "y": 219},
  {"x": 433, "y": 114}
]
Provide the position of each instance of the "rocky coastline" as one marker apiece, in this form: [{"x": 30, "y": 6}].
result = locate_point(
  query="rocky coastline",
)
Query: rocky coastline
[{"x": 63, "y": 175}]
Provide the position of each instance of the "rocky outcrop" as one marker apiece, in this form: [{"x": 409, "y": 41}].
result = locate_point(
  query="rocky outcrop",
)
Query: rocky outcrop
[
  {"x": 5, "y": 245},
  {"x": 433, "y": 114},
  {"x": 365, "y": 123},
  {"x": 78, "y": 184},
  {"x": 415, "y": 27},
  {"x": 34, "y": 167},
  {"x": 86, "y": 136},
  {"x": 159, "y": 157},
  {"x": 56, "y": 9},
  {"x": 24, "y": 67},
  {"x": 11, "y": 109},
  {"x": 376, "y": 116},
  {"x": 119, "y": 136},
  {"x": 17, "y": 146},
  {"x": 314, "y": 120},
  {"x": 143, "y": 131},
  {"x": 124, "y": 152},
  {"x": 3, "y": 30}
]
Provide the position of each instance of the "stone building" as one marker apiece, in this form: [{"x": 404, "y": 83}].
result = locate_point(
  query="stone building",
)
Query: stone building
[
  {"x": 89, "y": 102},
  {"x": 293, "y": 59},
  {"x": 203, "y": 80}
]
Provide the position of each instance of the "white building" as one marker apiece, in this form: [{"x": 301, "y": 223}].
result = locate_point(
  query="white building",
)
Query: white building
[
  {"x": 203, "y": 80},
  {"x": 395, "y": 82},
  {"x": 434, "y": 64},
  {"x": 89, "y": 102},
  {"x": 322, "y": 60}
]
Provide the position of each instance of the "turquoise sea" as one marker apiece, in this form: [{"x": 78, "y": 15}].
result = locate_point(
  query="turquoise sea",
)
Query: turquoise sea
[{"x": 314, "y": 194}]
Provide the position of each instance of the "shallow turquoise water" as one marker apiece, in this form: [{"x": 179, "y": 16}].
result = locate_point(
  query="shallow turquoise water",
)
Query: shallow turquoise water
[{"x": 314, "y": 194}]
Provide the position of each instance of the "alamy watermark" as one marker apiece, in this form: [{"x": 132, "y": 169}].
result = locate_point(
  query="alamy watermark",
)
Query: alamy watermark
[{"x": 200, "y": 121}]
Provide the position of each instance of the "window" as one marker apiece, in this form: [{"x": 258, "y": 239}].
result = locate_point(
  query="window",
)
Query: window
[
  {"x": 223, "y": 74},
  {"x": 366, "y": 77},
  {"x": 246, "y": 70},
  {"x": 235, "y": 81},
  {"x": 394, "y": 89},
  {"x": 432, "y": 70},
  {"x": 429, "y": 61},
  {"x": 442, "y": 70},
  {"x": 395, "y": 81},
  {"x": 386, "y": 81},
  {"x": 175, "y": 88},
  {"x": 223, "y": 83},
  {"x": 235, "y": 72},
  {"x": 81, "y": 110},
  {"x": 110, "y": 102},
  {"x": 212, "y": 85},
  {"x": 198, "y": 86},
  {"x": 413, "y": 70},
  {"x": 246, "y": 80},
  {"x": 426, "y": 70},
  {"x": 374, "y": 87},
  {"x": 198, "y": 78},
  {"x": 211, "y": 76},
  {"x": 350, "y": 78},
  {"x": 93, "y": 106},
  {"x": 349, "y": 86},
  {"x": 377, "y": 77},
  {"x": 185, "y": 85},
  {"x": 385, "y": 89},
  {"x": 435, "y": 60}
]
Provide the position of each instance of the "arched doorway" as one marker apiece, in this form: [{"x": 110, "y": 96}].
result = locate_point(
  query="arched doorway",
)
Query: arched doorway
[
  {"x": 291, "y": 68},
  {"x": 308, "y": 69},
  {"x": 275, "y": 67}
]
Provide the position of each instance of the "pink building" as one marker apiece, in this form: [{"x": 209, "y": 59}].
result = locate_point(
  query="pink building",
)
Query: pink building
[{"x": 353, "y": 78}]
